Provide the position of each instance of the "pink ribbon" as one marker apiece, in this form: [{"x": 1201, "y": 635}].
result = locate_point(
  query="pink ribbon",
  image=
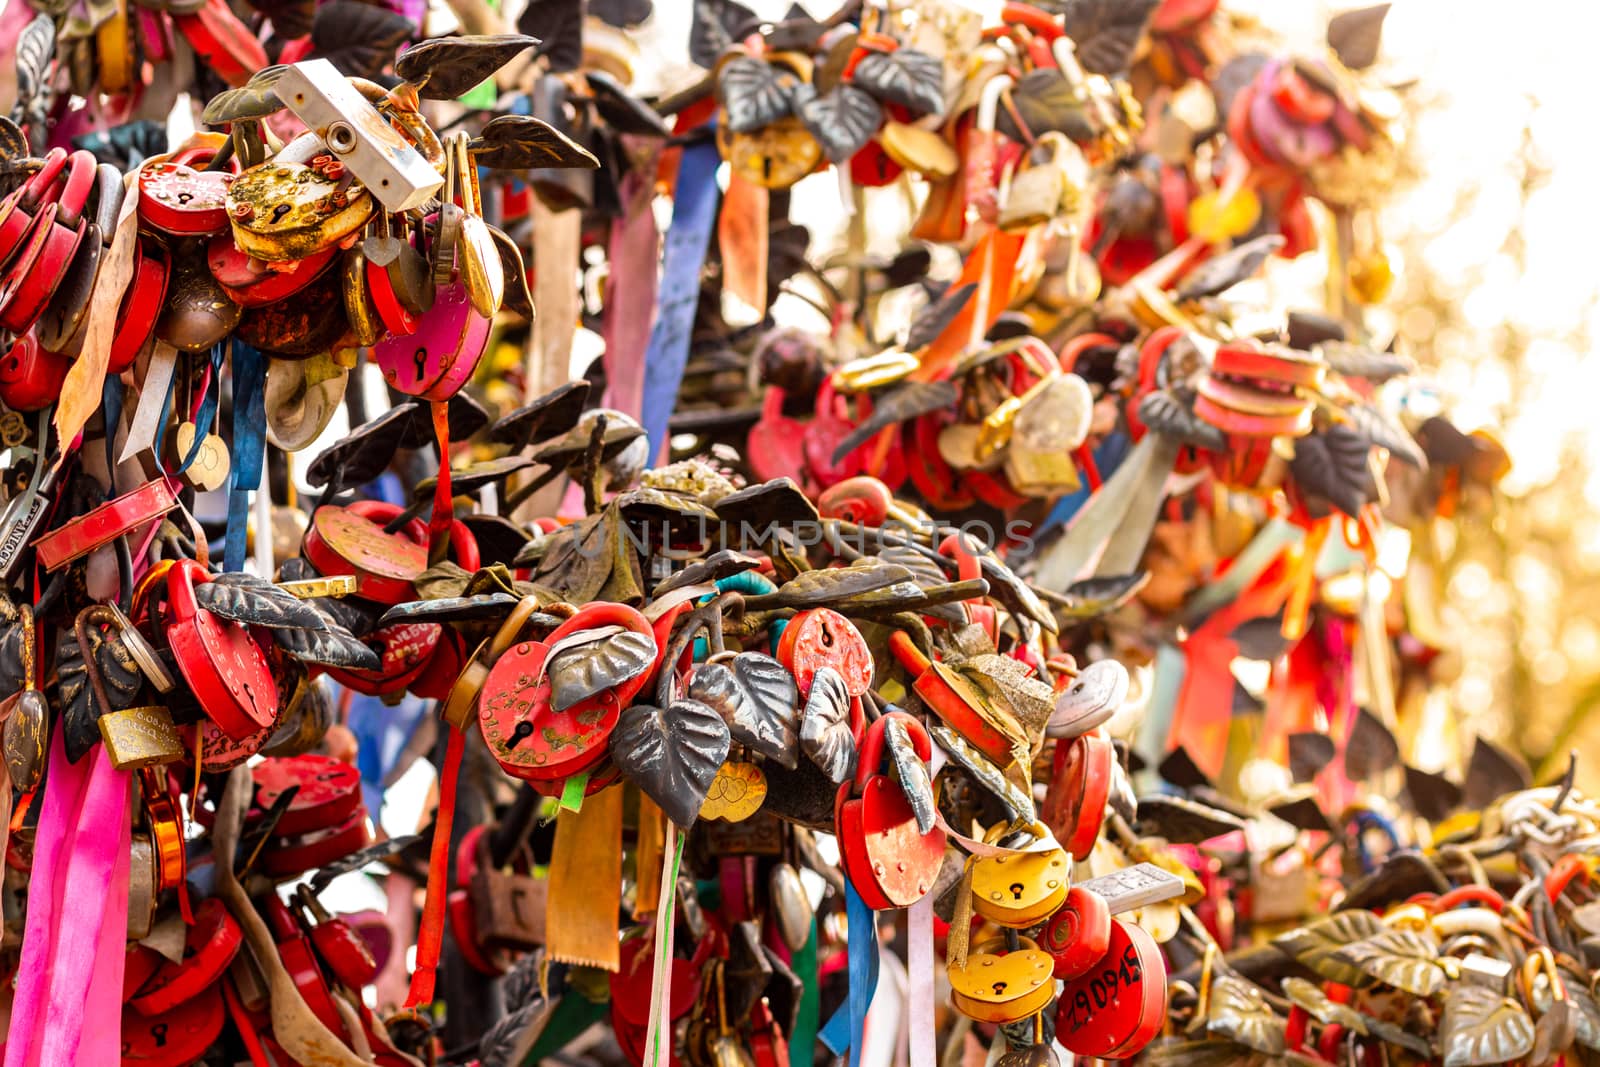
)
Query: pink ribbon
[
  {"x": 73, "y": 943},
  {"x": 634, "y": 255},
  {"x": 920, "y": 979}
]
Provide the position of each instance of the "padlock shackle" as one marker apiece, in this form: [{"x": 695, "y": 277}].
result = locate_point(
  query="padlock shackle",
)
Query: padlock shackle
[
  {"x": 1033, "y": 19},
  {"x": 989, "y": 101},
  {"x": 968, "y": 566},
  {"x": 871, "y": 754},
  {"x": 180, "y": 588},
  {"x": 906, "y": 651},
  {"x": 835, "y": 501},
  {"x": 43, "y": 183},
  {"x": 81, "y": 172}
]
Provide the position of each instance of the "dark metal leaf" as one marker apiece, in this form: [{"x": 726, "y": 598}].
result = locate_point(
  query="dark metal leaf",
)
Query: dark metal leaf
[
  {"x": 1433, "y": 796},
  {"x": 1333, "y": 464},
  {"x": 915, "y": 781},
  {"x": 357, "y": 860},
  {"x": 1165, "y": 413},
  {"x": 1317, "y": 944},
  {"x": 1355, "y": 35},
  {"x": 621, "y": 110},
  {"x": 1015, "y": 595},
  {"x": 1310, "y": 997},
  {"x": 358, "y": 38},
  {"x": 1492, "y": 772},
  {"x": 254, "y": 601},
  {"x": 754, "y": 93},
  {"x": 1183, "y": 822},
  {"x": 1360, "y": 361},
  {"x": 825, "y": 586},
  {"x": 778, "y": 502},
  {"x": 932, "y": 320},
  {"x": 518, "y": 297},
  {"x": 521, "y": 142},
  {"x": 1480, "y": 1026},
  {"x": 1400, "y": 876},
  {"x": 843, "y": 120},
  {"x": 1106, "y": 31},
  {"x": 555, "y": 412},
  {"x": 723, "y": 563},
  {"x": 1179, "y": 768},
  {"x": 671, "y": 754},
  {"x": 1093, "y": 597},
  {"x": 896, "y": 405},
  {"x": 1402, "y": 958},
  {"x": 1377, "y": 428},
  {"x": 446, "y": 67},
  {"x": 332, "y": 646},
  {"x": 1220, "y": 273},
  {"x": 1308, "y": 328},
  {"x": 757, "y": 697},
  {"x": 1239, "y": 1011},
  {"x": 1308, "y": 753},
  {"x": 1302, "y": 811},
  {"x": 1046, "y": 102},
  {"x": 712, "y": 29},
  {"x": 825, "y": 735},
  {"x": 576, "y": 674},
  {"x": 479, "y": 608},
  {"x": 80, "y": 710},
  {"x": 906, "y": 77},
  {"x": 257, "y": 98},
  {"x": 559, "y": 26},
  {"x": 1371, "y": 748}
]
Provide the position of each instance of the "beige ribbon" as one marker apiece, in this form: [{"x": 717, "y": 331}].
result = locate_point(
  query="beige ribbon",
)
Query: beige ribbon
[{"x": 586, "y": 884}]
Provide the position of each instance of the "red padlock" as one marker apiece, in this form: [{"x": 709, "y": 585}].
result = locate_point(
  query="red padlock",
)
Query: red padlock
[
  {"x": 954, "y": 700},
  {"x": 176, "y": 198},
  {"x": 284, "y": 857},
  {"x": 821, "y": 637},
  {"x": 218, "y": 658},
  {"x": 823, "y": 435},
  {"x": 22, "y": 206},
  {"x": 1113, "y": 1010},
  {"x": 1078, "y": 934},
  {"x": 341, "y": 949},
  {"x": 463, "y": 919},
  {"x": 862, "y": 500},
  {"x": 225, "y": 44},
  {"x": 970, "y": 568},
  {"x": 301, "y": 963},
  {"x": 41, "y": 264},
  {"x": 178, "y": 1038},
  {"x": 30, "y": 377},
  {"x": 208, "y": 948},
  {"x": 141, "y": 306},
  {"x": 351, "y": 540},
  {"x": 889, "y": 861},
  {"x": 528, "y": 737},
  {"x": 327, "y": 791},
  {"x": 775, "y": 447},
  {"x": 1080, "y": 785},
  {"x": 404, "y": 648},
  {"x": 935, "y": 479},
  {"x": 439, "y": 674},
  {"x": 251, "y": 283}
]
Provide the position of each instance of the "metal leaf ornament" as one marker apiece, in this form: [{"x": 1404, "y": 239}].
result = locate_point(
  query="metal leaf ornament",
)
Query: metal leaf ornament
[
  {"x": 1333, "y": 464},
  {"x": 1379, "y": 429},
  {"x": 254, "y": 601},
  {"x": 1046, "y": 103},
  {"x": 358, "y": 38},
  {"x": 1356, "y": 35},
  {"x": 1492, "y": 772},
  {"x": 1404, "y": 959},
  {"x": 255, "y": 99},
  {"x": 1240, "y": 1011},
  {"x": 1318, "y": 945},
  {"x": 332, "y": 646},
  {"x": 1221, "y": 273},
  {"x": 1310, "y": 997},
  {"x": 445, "y": 67},
  {"x": 818, "y": 587},
  {"x": 757, "y": 698},
  {"x": 1172, "y": 417},
  {"x": 1106, "y": 32},
  {"x": 915, "y": 781},
  {"x": 1183, "y": 822},
  {"x": 672, "y": 754},
  {"x": 843, "y": 120},
  {"x": 1481, "y": 1027},
  {"x": 1583, "y": 1010},
  {"x": 80, "y": 709},
  {"x": 519, "y": 142},
  {"x": 754, "y": 93},
  {"x": 1371, "y": 748},
  {"x": 906, "y": 77},
  {"x": 35, "y": 46},
  {"x": 825, "y": 735},
  {"x": 578, "y": 673},
  {"x": 1309, "y": 752},
  {"x": 1359, "y": 361},
  {"x": 932, "y": 320}
]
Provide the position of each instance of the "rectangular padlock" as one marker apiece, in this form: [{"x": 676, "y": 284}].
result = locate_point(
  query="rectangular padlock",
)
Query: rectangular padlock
[
  {"x": 140, "y": 737},
  {"x": 1135, "y": 887},
  {"x": 392, "y": 170}
]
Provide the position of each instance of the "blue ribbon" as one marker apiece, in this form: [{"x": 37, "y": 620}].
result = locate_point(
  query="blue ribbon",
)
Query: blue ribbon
[
  {"x": 202, "y": 418},
  {"x": 693, "y": 213},
  {"x": 844, "y": 1029},
  {"x": 111, "y": 404},
  {"x": 249, "y": 448},
  {"x": 1107, "y": 458}
]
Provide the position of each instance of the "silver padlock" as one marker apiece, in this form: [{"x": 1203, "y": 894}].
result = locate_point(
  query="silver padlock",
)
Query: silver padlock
[
  {"x": 387, "y": 164},
  {"x": 1138, "y": 886}
]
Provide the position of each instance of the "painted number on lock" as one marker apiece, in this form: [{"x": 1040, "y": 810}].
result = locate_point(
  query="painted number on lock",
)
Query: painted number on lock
[{"x": 1103, "y": 988}]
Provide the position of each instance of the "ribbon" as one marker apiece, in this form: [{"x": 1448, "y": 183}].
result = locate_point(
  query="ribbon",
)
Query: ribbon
[
  {"x": 693, "y": 214},
  {"x": 804, "y": 965},
  {"x": 844, "y": 1029},
  {"x": 443, "y": 513},
  {"x": 660, "y": 1028},
  {"x": 249, "y": 449},
  {"x": 430, "y": 935},
  {"x": 633, "y": 251},
  {"x": 73, "y": 944},
  {"x": 920, "y": 979},
  {"x": 572, "y": 792}
]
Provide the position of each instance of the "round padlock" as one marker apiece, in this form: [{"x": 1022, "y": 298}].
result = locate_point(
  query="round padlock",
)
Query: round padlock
[
  {"x": 822, "y": 637},
  {"x": 1080, "y": 785},
  {"x": 285, "y": 857},
  {"x": 1078, "y": 934},
  {"x": 176, "y": 198},
  {"x": 178, "y": 1038},
  {"x": 208, "y": 948},
  {"x": 328, "y": 791},
  {"x": 404, "y": 648},
  {"x": 1117, "y": 1006}
]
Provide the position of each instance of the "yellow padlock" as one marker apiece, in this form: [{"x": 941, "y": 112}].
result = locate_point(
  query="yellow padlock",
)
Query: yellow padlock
[
  {"x": 1000, "y": 986},
  {"x": 1020, "y": 891}
]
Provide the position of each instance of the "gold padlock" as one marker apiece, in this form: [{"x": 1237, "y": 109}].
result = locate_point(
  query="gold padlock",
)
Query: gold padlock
[
  {"x": 1020, "y": 891},
  {"x": 997, "y": 986},
  {"x": 1051, "y": 185},
  {"x": 286, "y": 209},
  {"x": 920, "y": 151},
  {"x": 1052, "y": 421},
  {"x": 140, "y": 737}
]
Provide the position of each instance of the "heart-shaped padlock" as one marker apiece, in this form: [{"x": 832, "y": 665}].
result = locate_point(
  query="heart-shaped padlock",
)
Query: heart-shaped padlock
[
  {"x": 524, "y": 732},
  {"x": 327, "y": 790},
  {"x": 176, "y": 198},
  {"x": 218, "y": 658},
  {"x": 284, "y": 857},
  {"x": 352, "y": 540},
  {"x": 251, "y": 283},
  {"x": 1020, "y": 890},
  {"x": 179, "y": 1037},
  {"x": 776, "y": 444},
  {"x": 289, "y": 210},
  {"x": 890, "y": 862},
  {"x": 1001, "y": 986},
  {"x": 438, "y": 358},
  {"x": 208, "y": 948},
  {"x": 1115, "y": 1008},
  {"x": 1080, "y": 785}
]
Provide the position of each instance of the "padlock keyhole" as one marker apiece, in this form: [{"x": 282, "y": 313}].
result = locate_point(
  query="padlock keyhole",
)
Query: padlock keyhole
[
  {"x": 280, "y": 211},
  {"x": 999, "y": 988},
  {"x": 1016, "y": 890}
]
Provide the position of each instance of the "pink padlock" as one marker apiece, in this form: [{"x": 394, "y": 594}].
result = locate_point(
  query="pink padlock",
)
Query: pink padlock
[
  {"x": 824, "y": 433},
  {"x": 436, "y": 361}
]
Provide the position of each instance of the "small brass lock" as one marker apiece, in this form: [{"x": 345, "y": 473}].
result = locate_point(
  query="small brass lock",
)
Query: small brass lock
[
  {"x": 997, "y": 986},
  {"x": 1019, "y": 891},
  {"x": 287, "y": 210}
]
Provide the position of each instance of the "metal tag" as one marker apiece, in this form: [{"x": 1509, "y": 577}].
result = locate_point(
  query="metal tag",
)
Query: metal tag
[
  {"x": 1133, "y": 887},
  {"x": 391, "y": 169}
]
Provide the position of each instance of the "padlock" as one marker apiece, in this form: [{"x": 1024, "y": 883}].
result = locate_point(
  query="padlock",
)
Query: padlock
[
  {"x": 141, "y": 306},
  {"x": 478, "y": 265},
  {"x": 1020, "y": 890},
  {"x": 209, "y": 947},
  {"x": 1113, "y": 1010},
  {"x": 439, "y": 357},
  {"x": 352, "y": 541},
  {"x": 398, "y": 277},
  {"x": 197, "y": 314},
  {"x": 30, "y": 376},
  {"x": 405, "y": 649},
  {"x": 355, "y": 132},
  {"x": 60, "y": 328},
  {"x": 178, "y": 1037},
  {"x": 286, "y": 857},
  {"x": 823, "y": 435},
  {"x": 508, "y": 906},
  {"x": 960, "y": 704},
  {"x": 1080, "y": 785},
  {"x": 1077, "y": 935},
  {"x": 776, "y": 444},
  {"x": 341, "y": 949},
  {"x": 287, "y": 209},
  {"x": 251, "y": 283},
  {"x": 327, "y": 791},
  {"x": 177, "y": 198},
  {"x": 461, "y": 915},
  {"x": 821, "y": 637},
  {"x": 138, "y": 737},
  {"x": 24, "y": 204},
  {"x": 1000, "y": 985},
  {"x": 1049, "y": 187},
  {"x": 41, "y": 261},
  {"x": 26, "y": 734},
  {"x": 298, "y": 958},
  {"x": 1051, "y": 422},
  {"x": 888, "y": 860},
  {"x": 1093, "y": 696},
  {"x": 775, "y": 156},
  {"x": 218, "y": 658}
]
